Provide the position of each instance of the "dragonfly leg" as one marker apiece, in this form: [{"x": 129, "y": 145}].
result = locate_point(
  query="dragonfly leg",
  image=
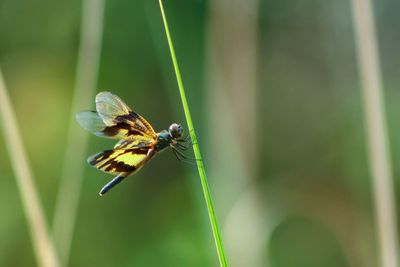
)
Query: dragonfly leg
[
  {"x": 183, "y": 146},
  {"x": 182, "y": 157}
]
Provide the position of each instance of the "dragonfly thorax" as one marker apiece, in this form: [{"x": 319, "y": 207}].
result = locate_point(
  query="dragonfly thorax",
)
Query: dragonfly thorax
[{"x": 163, "y": 141}]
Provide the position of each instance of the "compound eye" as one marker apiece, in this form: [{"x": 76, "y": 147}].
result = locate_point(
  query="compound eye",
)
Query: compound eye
[{"x": 175, "y": 130}]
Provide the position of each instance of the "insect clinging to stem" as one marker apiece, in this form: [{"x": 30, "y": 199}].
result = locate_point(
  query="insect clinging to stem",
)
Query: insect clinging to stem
[{"x": 138, "y": 142}]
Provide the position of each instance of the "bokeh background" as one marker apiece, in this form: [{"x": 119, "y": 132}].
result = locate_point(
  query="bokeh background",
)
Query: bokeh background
[{"x": 275, "y": 95}]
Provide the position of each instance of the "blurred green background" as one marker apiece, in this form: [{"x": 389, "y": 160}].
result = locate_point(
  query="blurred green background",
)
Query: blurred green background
[{"x": 275, "y": 96}]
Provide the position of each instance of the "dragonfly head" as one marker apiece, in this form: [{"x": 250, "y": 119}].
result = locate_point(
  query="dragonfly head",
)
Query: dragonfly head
[{"x": 175, "y": 131}]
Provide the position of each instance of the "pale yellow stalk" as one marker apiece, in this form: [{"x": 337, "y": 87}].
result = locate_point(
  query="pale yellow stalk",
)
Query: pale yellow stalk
[
  {"x": 41, "y": 241},
  {"x": 378, "y": 143}
]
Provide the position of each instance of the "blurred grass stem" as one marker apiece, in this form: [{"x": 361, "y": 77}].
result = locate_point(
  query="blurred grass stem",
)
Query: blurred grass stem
[
  {"x": 231, "y": 90},
  {"x": 378, "y": 144},
  {"x": 200, "y": 166},
  {"x": 74, "y": 160},
  {"x": 41, "y": 242}
]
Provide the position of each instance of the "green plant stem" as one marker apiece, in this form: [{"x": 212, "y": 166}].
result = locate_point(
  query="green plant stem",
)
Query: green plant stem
[{"x": 200, "y": 166}]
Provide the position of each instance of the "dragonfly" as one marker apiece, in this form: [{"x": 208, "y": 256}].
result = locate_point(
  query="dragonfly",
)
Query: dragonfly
[{"x": 138, "y": 142}]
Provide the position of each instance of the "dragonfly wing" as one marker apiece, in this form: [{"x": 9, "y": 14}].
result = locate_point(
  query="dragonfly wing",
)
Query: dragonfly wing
[
  {"x": 114, "y": 119},
  {"x": 110, "y": 106},
  {"x": 121, "y": 161},
  {"x": 92, "y": 122},
  {"x": 115, "y": 112}
]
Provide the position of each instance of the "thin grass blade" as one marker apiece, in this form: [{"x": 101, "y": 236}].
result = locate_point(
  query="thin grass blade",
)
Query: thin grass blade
[{"x": 200, "y": 166}]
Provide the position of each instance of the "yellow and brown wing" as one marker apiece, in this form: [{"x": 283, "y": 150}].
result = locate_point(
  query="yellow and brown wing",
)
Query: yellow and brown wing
[
  {"x": 123, "y": 161},
  {"x": 114, "y": 119},
  {"x": 114, "y": 111}
]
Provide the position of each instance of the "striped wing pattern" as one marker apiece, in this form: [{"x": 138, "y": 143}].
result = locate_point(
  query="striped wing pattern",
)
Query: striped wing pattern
[
  {"x": 119, "y": 161},
  {"x": 117, "y": 115},
  {"x": 114, "y": 119}
]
